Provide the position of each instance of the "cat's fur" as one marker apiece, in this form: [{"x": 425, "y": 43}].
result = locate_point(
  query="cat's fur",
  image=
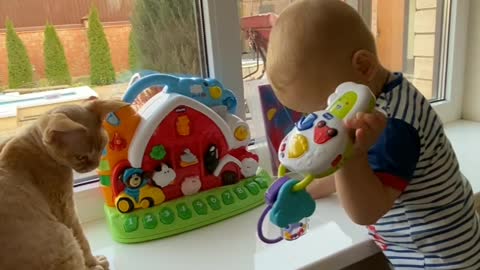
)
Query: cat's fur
[{"x": 39, "y": 228}]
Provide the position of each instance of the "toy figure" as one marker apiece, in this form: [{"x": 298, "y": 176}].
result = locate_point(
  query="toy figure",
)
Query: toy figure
[
  {"x": 133, "y": 180},
  {"x": 211, "y": 159},
  {"x": 294, "y": 231},
  {"x": 164, "y": 176},
  {"x": 183, "y": 125},
  {"x": 137, "y": 192},
  {"x": 191, "y": 185},
  {"x": 188, "y": 159},
  {"x": 117, "y": 143}
]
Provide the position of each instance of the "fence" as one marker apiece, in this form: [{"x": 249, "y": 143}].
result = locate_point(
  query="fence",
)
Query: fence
[{"x": 35, "y": 13}]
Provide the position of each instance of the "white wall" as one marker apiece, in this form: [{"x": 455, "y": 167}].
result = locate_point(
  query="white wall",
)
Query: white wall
[{"x": 471, "y": 103}]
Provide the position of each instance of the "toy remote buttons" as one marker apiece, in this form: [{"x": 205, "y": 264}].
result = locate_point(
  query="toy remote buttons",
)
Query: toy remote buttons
[{"x": 316, "y": 147}]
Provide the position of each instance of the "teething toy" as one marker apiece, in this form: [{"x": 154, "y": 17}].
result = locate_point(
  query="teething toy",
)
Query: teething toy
[{"x": 316, "y": 147}]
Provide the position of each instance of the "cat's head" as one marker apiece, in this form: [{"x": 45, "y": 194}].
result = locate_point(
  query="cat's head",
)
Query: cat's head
[{"x": 73, "y": 134}]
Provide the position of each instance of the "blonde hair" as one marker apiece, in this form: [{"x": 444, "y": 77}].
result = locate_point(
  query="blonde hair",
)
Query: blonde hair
[{"x": 313, "y": 35}]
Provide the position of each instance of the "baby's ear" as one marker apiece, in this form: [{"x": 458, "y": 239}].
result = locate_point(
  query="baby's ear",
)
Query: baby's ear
[
  {"x": 62, "y": 130},
  {"x": 103, "y": 107},
  {"x": 365, "y": 64}
]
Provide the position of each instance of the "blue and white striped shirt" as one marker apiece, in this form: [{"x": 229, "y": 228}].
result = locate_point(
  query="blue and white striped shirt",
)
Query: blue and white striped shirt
[{"x": 433, "y": 223}]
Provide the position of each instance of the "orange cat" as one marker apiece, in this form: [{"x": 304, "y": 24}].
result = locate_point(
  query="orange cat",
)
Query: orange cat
[{"x": 39, "y": 228}]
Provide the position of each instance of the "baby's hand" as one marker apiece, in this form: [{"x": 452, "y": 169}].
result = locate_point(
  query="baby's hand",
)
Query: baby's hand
[{"x": 367, "y": 128}]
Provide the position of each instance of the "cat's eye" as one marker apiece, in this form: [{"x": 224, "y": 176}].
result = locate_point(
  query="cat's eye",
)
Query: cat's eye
[{"x": 81, "y": 158}]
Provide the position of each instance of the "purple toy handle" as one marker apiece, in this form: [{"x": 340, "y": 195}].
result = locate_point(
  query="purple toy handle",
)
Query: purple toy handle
[
  {"x": 260, "y": 231},
  {"x": 270, "y": 198}
]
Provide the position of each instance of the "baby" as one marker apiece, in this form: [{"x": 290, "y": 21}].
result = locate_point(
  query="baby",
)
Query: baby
[{"x": 403, "y": 180}]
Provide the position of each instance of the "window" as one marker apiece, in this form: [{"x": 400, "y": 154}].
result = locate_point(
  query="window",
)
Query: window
[
  {"x": 45, "y": 66},
  {"x": 202, "y": 38},
  {"x": 412, "y": 36},
  {"x": 426, "y": 40}
]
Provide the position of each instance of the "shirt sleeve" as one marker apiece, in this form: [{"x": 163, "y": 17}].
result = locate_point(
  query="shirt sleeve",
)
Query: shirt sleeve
[{"x": 395, "y": 155}]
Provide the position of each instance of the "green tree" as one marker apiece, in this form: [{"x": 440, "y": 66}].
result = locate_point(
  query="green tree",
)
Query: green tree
[
  {"x": 165, "y": 34},
  {"x": 101, "y": 67},
  {"x": 56, "y": 67},
  {"x": 132, "y": 53},
  {"x": 20, "y": 73}
]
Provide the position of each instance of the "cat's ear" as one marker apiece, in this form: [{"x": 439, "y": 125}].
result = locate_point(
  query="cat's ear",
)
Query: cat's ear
[
  {"x": 61, "y": 129},
  {"x": 103, "y": 107}
]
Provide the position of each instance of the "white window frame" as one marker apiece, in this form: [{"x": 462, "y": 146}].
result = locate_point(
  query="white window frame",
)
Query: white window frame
[
  {"x": 450, "y": 109},
  {"x": 224, "y": 47},
  {"x": 452, "y": 58}
]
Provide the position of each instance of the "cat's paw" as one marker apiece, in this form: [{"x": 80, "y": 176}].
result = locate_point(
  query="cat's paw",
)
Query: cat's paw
[{"x": 99, "y": 263}]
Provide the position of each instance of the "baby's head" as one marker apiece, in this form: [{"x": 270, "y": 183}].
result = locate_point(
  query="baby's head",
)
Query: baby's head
[{"x": 316, "y": 45}]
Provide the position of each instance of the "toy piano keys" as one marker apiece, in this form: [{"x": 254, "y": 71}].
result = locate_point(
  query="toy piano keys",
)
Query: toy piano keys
[{"x": 177, "y": 159}]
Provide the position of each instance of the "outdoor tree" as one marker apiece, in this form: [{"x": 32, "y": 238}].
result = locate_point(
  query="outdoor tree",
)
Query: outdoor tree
[
  {"x": 56, "y": 67},
  {"x": 20, "y": 73},
  {"x": 132, "y": 53},
  {"x": 165, "y": 36},
  {"x": 101, "y": 67}
]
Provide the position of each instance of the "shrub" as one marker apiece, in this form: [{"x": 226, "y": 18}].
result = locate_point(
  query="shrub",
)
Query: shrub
[
  {"x": 101, "y": 67},
  {"x": 56, "y": 67},
  {"x": 132, "y": 53},
  {"x": 165, "y": 35},
  {"x": 20, "y": 73}
]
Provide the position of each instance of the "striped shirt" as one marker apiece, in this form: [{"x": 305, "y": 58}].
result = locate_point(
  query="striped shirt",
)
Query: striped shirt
[{"x": 433, "y": 223}]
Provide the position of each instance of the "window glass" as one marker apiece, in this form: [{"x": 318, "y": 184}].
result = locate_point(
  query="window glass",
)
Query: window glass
[
  {"x": 411, "y": 37},
  {"x": 59, "y": 52}
]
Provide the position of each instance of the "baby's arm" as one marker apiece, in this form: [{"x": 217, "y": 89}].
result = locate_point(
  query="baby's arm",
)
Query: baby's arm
[
  {"x": 323, "y": 187},
  {"x": 385, "y": 157},
  {"x": 363, "y": 195}
]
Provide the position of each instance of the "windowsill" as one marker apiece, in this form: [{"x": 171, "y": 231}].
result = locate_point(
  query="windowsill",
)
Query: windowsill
[
  {"x": 332, "y": 242},
  {"x": 464, "y": 137}
]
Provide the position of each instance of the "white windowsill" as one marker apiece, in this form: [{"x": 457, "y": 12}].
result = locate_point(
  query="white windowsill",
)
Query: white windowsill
[{"x": 332, "y": 242}]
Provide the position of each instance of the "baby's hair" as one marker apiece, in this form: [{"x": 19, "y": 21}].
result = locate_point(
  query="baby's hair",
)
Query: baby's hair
[{"x": 313, "y": 35}]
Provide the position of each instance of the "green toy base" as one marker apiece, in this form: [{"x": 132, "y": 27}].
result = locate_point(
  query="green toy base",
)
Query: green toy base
[{"x": 189, "y": 212}]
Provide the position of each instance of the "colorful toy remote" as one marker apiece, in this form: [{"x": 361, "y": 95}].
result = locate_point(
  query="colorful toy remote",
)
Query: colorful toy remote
[
  {"x": 316, "y": 147},
  {"x": 177, "y": 159}
]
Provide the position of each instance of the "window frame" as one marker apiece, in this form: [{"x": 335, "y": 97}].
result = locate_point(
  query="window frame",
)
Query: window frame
[
  {"x": 224, "y": 47},
  {"x": 454, "y": 56},
  {"x": 450, "y": 44}
]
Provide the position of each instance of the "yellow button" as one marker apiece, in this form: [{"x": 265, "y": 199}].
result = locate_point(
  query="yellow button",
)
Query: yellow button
[
  {"x": 297, "y": 146},
  {"x": 241, "y": 133},
  {"x": 216, "y": 92},
  {"x": 271, "y": 113}
]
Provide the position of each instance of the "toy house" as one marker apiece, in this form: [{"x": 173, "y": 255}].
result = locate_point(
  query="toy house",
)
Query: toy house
[{"x": 182, "y": 144}]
